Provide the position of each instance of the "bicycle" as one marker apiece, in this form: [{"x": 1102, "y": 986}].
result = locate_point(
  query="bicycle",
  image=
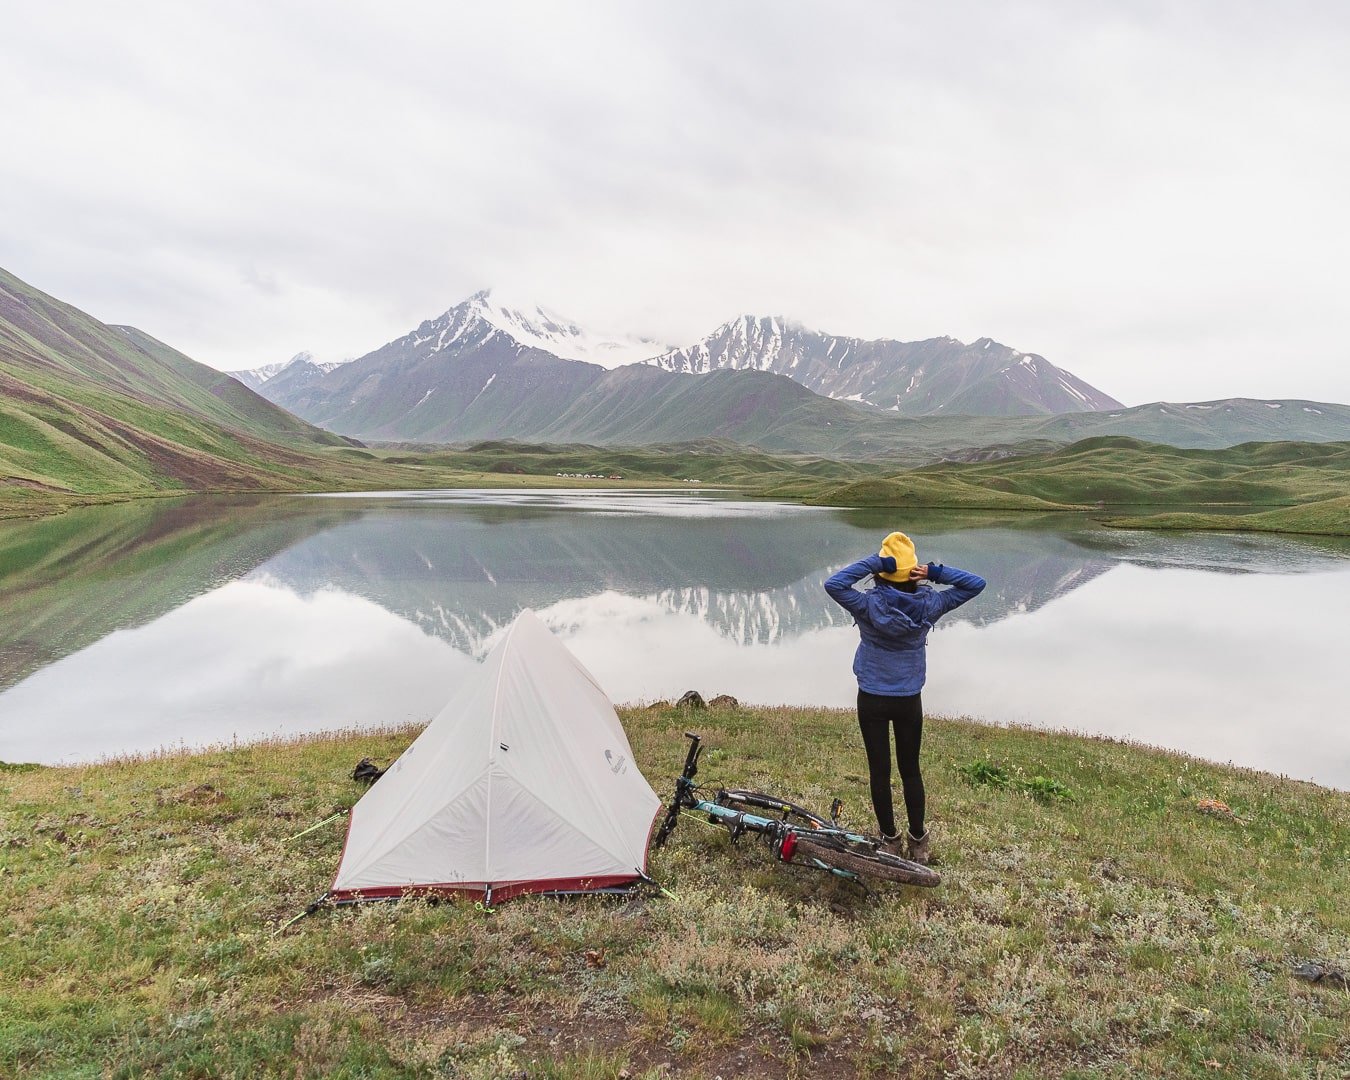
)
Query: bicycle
[{"x": 796, "y": 835}]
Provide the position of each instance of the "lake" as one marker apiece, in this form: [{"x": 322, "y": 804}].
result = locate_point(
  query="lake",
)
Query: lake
[{"x": 205, "y": 620}]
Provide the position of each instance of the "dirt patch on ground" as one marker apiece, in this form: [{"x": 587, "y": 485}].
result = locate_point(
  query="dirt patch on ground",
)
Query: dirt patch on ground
[
  {"x": 200, "y": 795},
  {"x": 193, "y": 468},
  {"x": 761, "y": 1052},
  {"x": 32, "y": 485},
  {"x": 18, "y": 391}
]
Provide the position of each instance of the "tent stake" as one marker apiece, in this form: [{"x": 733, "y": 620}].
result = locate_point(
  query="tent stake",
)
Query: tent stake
[
  {"x": 651, "y": 882},
  {"x": 308, "y": 911}
]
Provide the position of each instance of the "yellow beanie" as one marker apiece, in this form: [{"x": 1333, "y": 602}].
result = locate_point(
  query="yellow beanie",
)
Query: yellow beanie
[{"x": 900, "y": 548}]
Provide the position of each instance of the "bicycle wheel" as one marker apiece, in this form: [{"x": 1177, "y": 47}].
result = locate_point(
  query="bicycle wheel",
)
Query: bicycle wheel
[
  {"x": 867, "y": 863},
  {"x": 754, "y": 802}
]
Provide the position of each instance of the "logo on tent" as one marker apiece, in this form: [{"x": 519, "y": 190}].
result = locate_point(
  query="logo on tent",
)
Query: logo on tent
[{"x": 616, "y": 764}]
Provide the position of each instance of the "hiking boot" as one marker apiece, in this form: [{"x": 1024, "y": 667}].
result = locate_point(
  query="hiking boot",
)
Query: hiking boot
[
  {"x": 893, "y": 845},
  {"x": 920, "y": 848}
]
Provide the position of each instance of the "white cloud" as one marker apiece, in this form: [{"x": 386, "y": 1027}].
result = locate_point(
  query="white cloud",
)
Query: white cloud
[{"x": 1149, "y": 195}]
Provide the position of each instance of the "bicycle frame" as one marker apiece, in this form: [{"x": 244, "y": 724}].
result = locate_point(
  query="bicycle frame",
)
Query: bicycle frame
[{"x": 782, "y": 834}]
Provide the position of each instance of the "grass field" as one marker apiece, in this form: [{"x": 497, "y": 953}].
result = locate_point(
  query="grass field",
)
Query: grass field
[{"x": 1093, "y": 922}]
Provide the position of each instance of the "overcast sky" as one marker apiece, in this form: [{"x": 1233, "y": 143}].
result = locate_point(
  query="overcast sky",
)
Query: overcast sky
[{"x": 1152, "y": 195}]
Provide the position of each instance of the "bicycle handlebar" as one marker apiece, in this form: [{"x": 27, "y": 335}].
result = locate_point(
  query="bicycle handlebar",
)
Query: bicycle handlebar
[{"x": 691, "y": 759}]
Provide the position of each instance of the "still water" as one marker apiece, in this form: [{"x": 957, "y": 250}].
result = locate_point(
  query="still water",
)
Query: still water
[{"x": 199, "y": 621}]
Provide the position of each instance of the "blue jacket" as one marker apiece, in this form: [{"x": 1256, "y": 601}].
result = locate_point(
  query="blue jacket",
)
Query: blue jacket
[{"x": 894, "y": 625}]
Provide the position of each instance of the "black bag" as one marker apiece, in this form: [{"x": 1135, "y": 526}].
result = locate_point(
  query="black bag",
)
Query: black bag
[{"x": 366, "y": 771}]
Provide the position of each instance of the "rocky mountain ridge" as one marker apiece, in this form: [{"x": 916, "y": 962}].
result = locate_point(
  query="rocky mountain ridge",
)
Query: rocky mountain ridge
[
  {"x": 254, "y": 378},
  {"x": 914, "y": 378}
]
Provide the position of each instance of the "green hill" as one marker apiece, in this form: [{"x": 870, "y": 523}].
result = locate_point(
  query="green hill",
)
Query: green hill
[
  {"x": 913, "y": 489},
  {"x": 1307, "y": 482},
  {"x": 1326, "y": 517},
  {"x": 92, "y": 409}
]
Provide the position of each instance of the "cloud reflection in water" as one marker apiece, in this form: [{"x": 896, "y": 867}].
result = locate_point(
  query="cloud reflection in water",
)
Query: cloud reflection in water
[{"x": 246, "y": 661}]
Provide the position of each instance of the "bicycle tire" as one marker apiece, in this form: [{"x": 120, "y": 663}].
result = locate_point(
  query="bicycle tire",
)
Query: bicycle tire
[
  {"x": 875, "y": 864},
  {"x": 758, "y": 802}
]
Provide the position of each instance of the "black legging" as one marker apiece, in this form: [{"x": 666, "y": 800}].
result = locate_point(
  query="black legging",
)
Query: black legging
[{"x": 876, "y": 715}]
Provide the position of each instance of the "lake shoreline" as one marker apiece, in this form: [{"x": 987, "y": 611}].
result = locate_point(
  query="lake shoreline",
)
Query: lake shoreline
[
  {"x": 1164, "y": 522},
  {"x": 1144, "y": 910},
  {"x": 294, "y": 741},
  {"x": 33, "y": 509}
]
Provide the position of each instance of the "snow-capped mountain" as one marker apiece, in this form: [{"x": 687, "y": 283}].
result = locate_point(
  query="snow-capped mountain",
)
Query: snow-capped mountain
[
  {"x": 916, "y": 378},
  {"x": 253, "y": 378},
  {"x": 475, "y": 364}
]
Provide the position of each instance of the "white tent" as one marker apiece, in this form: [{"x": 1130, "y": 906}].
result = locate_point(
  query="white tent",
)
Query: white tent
[{"x": 524, "y": 782}]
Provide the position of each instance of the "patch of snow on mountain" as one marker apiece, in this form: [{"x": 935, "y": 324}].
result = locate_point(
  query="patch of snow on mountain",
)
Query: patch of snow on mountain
[
  {"x": 262, "y": 374},
  {"x": 491, "y": 379},
  {"x": 538, "y": 328},
  {"x": 1064, "y": 383}
]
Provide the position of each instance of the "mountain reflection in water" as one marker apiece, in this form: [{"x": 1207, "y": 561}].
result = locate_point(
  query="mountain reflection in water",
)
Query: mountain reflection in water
[
  {"x": 202, "y": 620},
  {"x": 752, "y": 576}
]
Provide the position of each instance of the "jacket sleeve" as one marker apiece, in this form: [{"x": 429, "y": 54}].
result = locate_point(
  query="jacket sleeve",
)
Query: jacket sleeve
[
  {"x": 963, "y": 586},
  {"x": 840, "y": 586}
]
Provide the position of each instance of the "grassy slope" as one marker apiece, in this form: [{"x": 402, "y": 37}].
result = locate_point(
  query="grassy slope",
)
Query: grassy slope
[
  {"x": 916, "y": 490},
  {"x": 1119, "y": 934},
  {"x": 1309, "y": 479},
  {"x": 90, "y": 412},
  {"x": 62, "y": 349}
]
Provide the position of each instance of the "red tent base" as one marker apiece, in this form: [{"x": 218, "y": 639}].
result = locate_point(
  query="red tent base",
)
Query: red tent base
[{"x": 492, "y": 892}]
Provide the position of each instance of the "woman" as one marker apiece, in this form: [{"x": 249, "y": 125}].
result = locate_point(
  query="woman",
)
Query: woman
[{"x": 893, "y": 619}]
